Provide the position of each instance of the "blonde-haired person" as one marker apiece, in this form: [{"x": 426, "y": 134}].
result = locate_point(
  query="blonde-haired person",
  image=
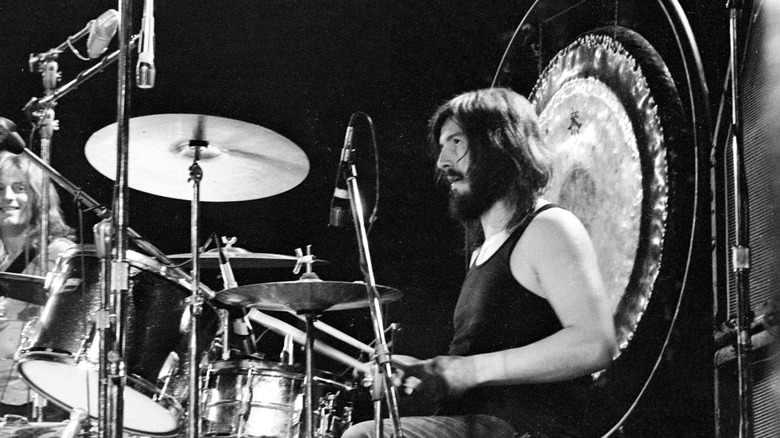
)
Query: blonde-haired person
[{"x": 21, "y": 186}]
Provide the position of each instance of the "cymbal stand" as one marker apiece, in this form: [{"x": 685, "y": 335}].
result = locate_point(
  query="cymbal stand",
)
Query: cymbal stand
[
  {"x": 196, "y": 299},
  {"x": 382, "y": 352},
  {"x": 740, "y": 252},
  {"x": 310, "y": 316},
  {"x": 309, "y": 387}
]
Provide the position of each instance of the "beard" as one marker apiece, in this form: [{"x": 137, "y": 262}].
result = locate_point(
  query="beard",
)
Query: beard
[{"x": 484, "y": 189}]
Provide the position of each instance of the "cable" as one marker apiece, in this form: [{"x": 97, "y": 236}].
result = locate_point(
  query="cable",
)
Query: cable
[{"x": 372, "y": 218}]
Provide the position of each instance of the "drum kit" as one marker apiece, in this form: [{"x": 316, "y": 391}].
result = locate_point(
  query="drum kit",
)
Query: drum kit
[
  {"x": 240, "y": 395},
  {"x": 127, "y": 339}
]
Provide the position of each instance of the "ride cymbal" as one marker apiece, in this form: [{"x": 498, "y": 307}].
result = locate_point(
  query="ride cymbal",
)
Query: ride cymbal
[
  {"x": 240, "y": 161},
  {"x": 304, "y": 296}
]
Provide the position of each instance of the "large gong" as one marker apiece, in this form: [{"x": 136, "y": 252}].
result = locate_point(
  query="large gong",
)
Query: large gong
[{"x": 625, "y": 130}]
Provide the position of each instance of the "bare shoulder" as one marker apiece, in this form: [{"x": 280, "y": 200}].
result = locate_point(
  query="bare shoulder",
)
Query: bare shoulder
[
  {"x": 555, "y": 226},
  {"x": 555, "y": 245}
]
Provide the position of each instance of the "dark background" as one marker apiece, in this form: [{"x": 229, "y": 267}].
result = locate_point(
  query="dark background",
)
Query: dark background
[{"x": 301, "y": 68}]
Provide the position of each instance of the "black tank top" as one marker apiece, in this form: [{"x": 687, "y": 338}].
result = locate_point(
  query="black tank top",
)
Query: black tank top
[{"x": 494, "y": 312}]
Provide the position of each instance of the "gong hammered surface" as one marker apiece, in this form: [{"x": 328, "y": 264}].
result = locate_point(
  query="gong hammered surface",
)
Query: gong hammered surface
[{"x": 598, "y": 165}]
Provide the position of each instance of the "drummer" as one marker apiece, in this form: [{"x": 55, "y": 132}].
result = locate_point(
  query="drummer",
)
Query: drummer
[
  {"x": 532, "y": 320},
  {"x": 20, "y": 227}
]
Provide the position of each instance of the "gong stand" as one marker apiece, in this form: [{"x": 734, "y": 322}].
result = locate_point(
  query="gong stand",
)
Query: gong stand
[
  {"x": 740, "y": 252},
  {"x": 382, "y": 352}
]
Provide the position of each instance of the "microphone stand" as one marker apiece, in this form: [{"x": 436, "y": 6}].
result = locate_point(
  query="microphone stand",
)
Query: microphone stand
[
  {"x": 44, "y": 122},
  {"x": 120, "y": 267},
  {"x": 382, "y": 352},
  {"x": 57, "y": 93},
  {"x": 740, "y": 252},
  {"x": 42, "y": 118}
]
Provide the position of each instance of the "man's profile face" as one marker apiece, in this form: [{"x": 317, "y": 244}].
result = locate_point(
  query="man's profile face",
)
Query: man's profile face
[
  {"x": 454, "y": 159},
  {"x": 470, "y": 189}
]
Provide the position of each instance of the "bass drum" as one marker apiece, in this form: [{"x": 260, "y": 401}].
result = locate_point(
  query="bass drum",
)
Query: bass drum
[
  {"x": 61, "y": 359},
  {"x": 624, "y": 118}
]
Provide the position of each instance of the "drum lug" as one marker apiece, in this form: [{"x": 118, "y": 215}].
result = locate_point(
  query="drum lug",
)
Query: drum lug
[{"x": 86, "y": 343}]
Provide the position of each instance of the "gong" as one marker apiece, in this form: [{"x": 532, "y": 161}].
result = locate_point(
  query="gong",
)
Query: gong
[
  {"x": 595, "y": 112},
  {"x": 624, "y": 130}
]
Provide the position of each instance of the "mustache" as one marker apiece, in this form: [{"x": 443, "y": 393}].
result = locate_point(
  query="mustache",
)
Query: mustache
[{"x": 450, "y": 173}]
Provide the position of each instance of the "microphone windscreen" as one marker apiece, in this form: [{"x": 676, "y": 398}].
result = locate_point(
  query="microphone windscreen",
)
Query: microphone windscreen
[{"x": 101, "y": 32}]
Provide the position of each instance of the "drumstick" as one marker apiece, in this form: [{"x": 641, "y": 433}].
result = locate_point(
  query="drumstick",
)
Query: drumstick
[
  {"x": 299, "y": 336},
  {"x": 338, "y": 334}
]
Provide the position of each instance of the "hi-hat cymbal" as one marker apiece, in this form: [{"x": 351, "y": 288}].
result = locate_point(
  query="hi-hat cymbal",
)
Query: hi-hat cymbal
[
  {"x": 304, "y": 296},
  {"x": 27, "y": 288},
  {"x": 242, "y": 259},
  {"x": 240, "y": 161}
]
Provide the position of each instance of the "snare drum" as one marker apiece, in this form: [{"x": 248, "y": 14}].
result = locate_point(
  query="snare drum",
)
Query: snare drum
[
  {"x": 250, "y": 398},
  {"x": 61, "y": 359}
]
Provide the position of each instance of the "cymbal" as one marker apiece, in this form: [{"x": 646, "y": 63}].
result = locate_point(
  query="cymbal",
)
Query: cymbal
[
  {"x": 27, "y": 288},
  {"x": 240, "y": 161},
  {"x": 304, "y": 296},
  {"x": 242, "y": 259}
]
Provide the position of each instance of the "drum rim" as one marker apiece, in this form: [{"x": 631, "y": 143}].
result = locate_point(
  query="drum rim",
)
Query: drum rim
[
  {"x": 134, "y": 382},
  {"x": 136, "y": 260},
  {"x": 226, "y": 365}
]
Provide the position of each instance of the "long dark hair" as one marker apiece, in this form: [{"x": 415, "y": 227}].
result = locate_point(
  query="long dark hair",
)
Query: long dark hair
[{"x": 504, "y": 141}]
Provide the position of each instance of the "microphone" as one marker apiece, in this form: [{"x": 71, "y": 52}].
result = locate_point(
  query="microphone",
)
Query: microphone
[
  {"x": 288, "y": 350},
  {"x": 339, "y": 204},
  {"x": 228, "y": 279},
  {"x": 243, "y": 334},
  {"x": 144, "y": 70},
  {"x": 242, "y": 329},
  {"x": 101, "y": 32},
  {"x": 10, "y": 140},
  {"x": 168, "y": 370}
]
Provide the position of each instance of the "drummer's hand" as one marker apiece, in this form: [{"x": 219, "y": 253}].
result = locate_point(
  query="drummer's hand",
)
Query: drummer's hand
[{"x": 439, "y": 377}]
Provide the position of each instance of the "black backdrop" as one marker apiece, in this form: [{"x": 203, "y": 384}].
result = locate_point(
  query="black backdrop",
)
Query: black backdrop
[{"x": 302, "y": 68}]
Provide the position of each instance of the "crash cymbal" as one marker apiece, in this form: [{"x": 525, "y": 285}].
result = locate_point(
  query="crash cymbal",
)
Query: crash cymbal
[
  {"x": 304, "y": 296},
  {"x": 240, "y": 161},
  {"x": 242, "y": 259},
  {"x": 27, "y": 288}
]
